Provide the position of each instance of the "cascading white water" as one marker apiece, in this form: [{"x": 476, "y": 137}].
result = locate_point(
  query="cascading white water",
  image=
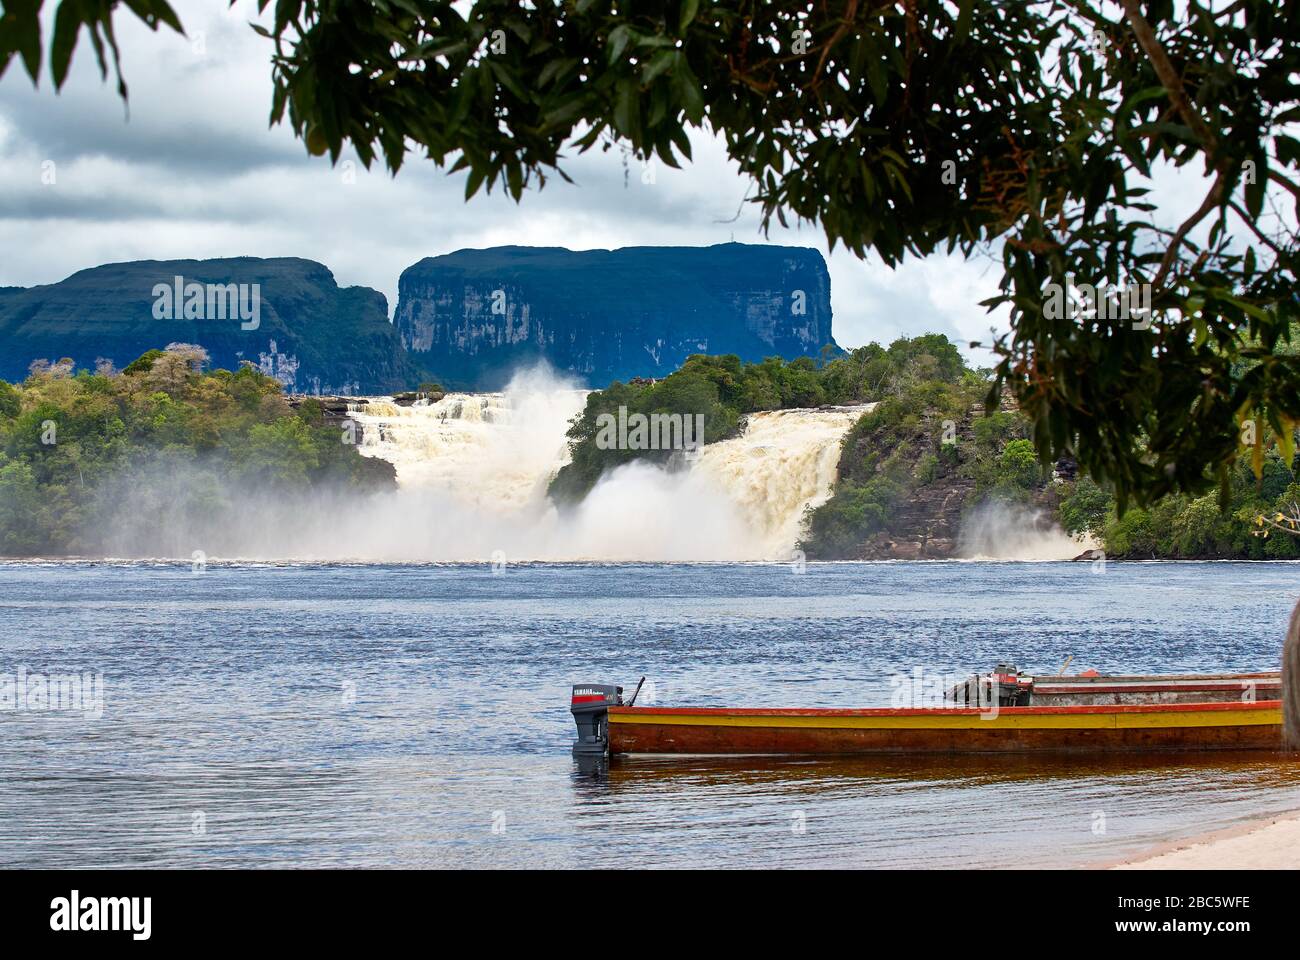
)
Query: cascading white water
[
  {"x": 478, "y": 465},
  {"x": 492, "y": 451},
  {"x": 784, "y": 462}
]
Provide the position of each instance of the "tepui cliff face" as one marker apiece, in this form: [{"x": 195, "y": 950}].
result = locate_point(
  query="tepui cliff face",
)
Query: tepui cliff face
[
  {"x": 285, "y": 315},
  {"x": 473, "y": 316},
  {"x": 468, "y": 319}
]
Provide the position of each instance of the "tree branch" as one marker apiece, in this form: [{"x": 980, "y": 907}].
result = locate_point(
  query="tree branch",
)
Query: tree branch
[
  {"x": 1278, "y": 178},
  {"x": 845, "y": 23},
  {"x": 1212, "y": 200},
  {"x": 1246, "y": 219},
  {"x": 1169, "y": 77}
]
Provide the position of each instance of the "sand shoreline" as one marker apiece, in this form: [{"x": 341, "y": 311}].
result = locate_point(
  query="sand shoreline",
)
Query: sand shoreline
[{"x": 1265, "y": 843}]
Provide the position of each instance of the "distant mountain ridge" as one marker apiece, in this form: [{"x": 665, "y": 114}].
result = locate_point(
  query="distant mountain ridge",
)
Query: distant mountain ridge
[
  {"x": 474, "y": 315},
  {"x": 312, "y": 334},
  {"x": 467, "y": 318}
]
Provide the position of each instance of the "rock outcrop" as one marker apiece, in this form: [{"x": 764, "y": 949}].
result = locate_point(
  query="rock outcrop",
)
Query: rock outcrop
[{"x": 926, "y": 524}]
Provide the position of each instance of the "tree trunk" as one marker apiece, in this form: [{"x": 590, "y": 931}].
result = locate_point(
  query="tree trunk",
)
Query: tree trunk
[{"x": 1291, "y": 682}]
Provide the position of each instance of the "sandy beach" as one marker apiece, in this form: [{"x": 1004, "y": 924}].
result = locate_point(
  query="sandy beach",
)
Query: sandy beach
[{"x": 1271, "y": 843}]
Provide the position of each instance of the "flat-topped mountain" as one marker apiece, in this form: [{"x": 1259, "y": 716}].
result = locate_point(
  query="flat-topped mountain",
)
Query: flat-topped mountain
[
  {"x": 472, "y": 316},
  {"x": 468, "y": 319},
  {"x": 286, "y": 315}
]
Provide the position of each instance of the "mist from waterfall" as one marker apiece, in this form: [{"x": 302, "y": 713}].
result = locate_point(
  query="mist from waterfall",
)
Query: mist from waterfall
[
  {"x": 472, "y": 475},
  {"x": 997, "y": 530},
  {"x": 492, "y": 454},
  {"x": 473, "y": 469}
]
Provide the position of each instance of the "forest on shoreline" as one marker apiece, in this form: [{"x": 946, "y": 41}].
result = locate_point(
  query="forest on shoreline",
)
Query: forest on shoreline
[
  {"x": 161, "y": 438},
  {"x": 74, "y": 445},
  {"x": 931, "y": 430}
]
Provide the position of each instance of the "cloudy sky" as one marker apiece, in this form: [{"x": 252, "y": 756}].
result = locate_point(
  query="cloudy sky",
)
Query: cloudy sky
[{"x": 195, "y": 171}]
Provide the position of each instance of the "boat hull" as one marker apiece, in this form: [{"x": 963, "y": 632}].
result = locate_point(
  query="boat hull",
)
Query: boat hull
[{"x": 1133, "y": 728}]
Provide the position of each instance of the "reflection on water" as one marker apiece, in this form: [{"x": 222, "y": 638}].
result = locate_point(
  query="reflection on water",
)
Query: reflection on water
[
  {"x": 417, "y": 716},
  {"x": 987, "y": 811}
]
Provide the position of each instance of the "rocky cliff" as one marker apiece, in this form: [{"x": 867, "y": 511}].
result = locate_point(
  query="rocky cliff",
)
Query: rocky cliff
[
  {"x": 301, "y": 327},
  {"x": 926, "y": 524},
  {"x": 472, "y": 316},
  {"x": 927, "y": 521}
]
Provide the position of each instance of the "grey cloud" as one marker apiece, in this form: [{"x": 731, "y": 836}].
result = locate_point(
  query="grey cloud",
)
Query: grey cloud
[
  {"x": 198, "y": 114},
  {"x": 196, "y": 173}
]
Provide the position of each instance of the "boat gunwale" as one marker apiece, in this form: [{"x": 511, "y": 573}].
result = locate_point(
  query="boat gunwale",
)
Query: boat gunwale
[
  {"x": 1073, "y": 709},
  {"x": 1054, "y": 689},
  {"x": 1150, "y": 677},
  {"x": 1153, "y": 677}
]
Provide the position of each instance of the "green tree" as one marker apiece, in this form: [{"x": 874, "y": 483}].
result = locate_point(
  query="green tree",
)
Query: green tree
[
  {"x": 23, "y": 504},
  {"x": 143, "y": 363},
  {"x": 1018, "y": 465},
  {"x": 79, "y": 446},
  {"x": 1197, "y": 528},
  {"x": 281, "y": 452},
  {"x": 1085, "y": 508},
  {"x": 1132, "y": 535},
  {"x": 10, "y": 400}
]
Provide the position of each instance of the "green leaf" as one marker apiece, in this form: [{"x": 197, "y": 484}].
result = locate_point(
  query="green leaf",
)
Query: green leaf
[
  {"x": 681, "y": 141},
  {"x": 626, "y": 109},
  {"x": 665, "y": 151},
  {"x": 473, "y": 182},
  {"x": 67, "y": 24},
  {"x": 963, "y": 20},
  {"x": 660, "y": 62},
  {"x": 687, "y": 88},
  {"x": 553, "y": 69},
  {"x": 618, "y": 41},
  {"x": 507, "y": 79},
  {"x": 690, "y": 8},
  {"x": 1286, "y": 441},
  {"x": 26, "y": 37},
  {"x": 876, "y": 78},
  {"x": 563, "y": 116}
]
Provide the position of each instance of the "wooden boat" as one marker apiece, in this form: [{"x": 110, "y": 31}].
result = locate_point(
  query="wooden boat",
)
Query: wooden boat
[{"x": 1237, "y": 711}]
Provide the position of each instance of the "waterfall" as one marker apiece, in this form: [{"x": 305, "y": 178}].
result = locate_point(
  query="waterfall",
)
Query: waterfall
[
  {"x": 475, "y": 467},
  {"x": 491, "y": 452},
  {"x": 784, "y": 462}
]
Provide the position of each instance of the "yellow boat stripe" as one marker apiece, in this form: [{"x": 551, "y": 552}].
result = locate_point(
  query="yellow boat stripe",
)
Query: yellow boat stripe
[{"x": 964, "y": 721}]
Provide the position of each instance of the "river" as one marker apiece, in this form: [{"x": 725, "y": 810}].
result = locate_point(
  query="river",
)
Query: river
[{"x": 309, "y": 715}]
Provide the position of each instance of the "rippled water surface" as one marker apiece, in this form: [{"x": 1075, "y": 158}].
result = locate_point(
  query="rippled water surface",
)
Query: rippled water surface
[{"x": 334, "y": 715}]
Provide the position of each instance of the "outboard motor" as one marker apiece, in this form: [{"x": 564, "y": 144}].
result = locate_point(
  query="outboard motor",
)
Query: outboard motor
[
  {"x": 1006, "y": 686},
  {"x": 1014, "y": 688},
  {"x": 590, "y": 705}
]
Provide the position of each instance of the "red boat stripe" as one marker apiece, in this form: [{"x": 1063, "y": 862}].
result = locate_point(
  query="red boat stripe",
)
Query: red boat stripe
[
  {"x": 1054, "y": 688},
  {"x": 973, "y": 711}
]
